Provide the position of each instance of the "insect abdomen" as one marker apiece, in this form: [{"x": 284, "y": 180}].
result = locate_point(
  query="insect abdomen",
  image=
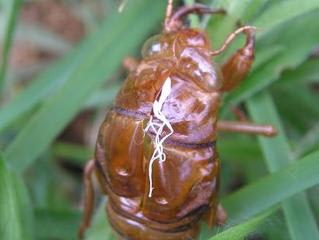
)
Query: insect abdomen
[
  {"x": 185, "y": 183},
  {"x": 120, "y": 154}
]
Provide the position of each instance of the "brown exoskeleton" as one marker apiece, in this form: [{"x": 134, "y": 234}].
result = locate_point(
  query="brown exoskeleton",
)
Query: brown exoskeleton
[{"x": 156, "y": 155}]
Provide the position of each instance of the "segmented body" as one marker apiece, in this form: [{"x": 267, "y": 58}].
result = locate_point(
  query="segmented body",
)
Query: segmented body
[{"x": 185, "y": 185}]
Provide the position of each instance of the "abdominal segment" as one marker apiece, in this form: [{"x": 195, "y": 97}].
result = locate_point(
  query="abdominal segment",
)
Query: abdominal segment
[
  {"x": 122, "y": 156},
  {"x": 185, "y": 185}
]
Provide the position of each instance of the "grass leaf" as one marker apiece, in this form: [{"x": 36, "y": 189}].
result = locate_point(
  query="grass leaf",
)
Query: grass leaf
[
  {"x": 308, "y": 72},
  {"x": 15, "y": 218},
  {"x": 301, "y": 222},
  {"x": 11, "y": 12},
  {"x": 39, "y": 89},
  {"x": 53, "y": 224},
  {"x": 274, "y": 16},
  {"x": 272, "y": 189},
  {"x": 240, "y": 231},
  {"x": 101, "y": 228},
  {"x": 77, "y": 154}
]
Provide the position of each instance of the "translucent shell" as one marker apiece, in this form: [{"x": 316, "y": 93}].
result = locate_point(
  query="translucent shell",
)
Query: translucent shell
[{"x": 153, "y": 46}]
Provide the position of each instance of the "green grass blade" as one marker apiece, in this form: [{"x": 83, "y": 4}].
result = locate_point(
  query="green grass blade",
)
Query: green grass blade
[
  {"x": 239, "y": 148},
  {"x": 240, "y": 231},
  {"x": 276, "y": 149},
  {"x": 101, "y": 98},
  {"x": 283, "y": 11},
  {"x": 11, "y": 12},
  {"x": 38, "y": 90},
  {"x": 308, "y": 72},
  {"x": 287, "y": 100},
  {"x": 10, "y": 225},
  {"x": 308, "y": 141},
  {"x": 301, "y": 222},
  {"x": 52, "y": 224},
  {"x": 78, "y": 155},
  {"x": 272, "y": 189},
  {"x": 14, "y": 223},
  {"x": 100, "y": 229},
  {"x": 100, "y": 58},
  {"x": 25, "y": 207}
]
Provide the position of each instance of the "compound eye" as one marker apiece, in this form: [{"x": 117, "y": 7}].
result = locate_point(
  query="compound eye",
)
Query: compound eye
[{"x": 153, "y": 46}]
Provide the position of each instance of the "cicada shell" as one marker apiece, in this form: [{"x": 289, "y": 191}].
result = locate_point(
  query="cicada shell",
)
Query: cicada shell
[{"x": 156, "y": 156}]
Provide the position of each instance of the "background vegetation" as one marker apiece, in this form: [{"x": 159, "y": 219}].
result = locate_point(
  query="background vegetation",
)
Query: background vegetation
[{"x": 61, "y": 67}]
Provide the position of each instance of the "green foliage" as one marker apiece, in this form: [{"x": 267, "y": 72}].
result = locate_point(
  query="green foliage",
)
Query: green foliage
[
  {"x": 275, "y": 172},
  {"x": 277, "y": 155},
  {"x": 241, "y": 230},
  {"x": 16, "y": 217},
  {"x": 11, "y": 9}
]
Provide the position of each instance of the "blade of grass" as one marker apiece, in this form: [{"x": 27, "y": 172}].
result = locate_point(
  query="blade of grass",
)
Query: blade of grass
[
  {"x": 102, "y": 98},
  {"x": 100, "y": 228},
  {"x": 39, "y": 89},
  {"x": 240, "y": 231},
  {"x": 11, "y": 13},
  {"x": 239, "y": 148},
  {"x": 308, "y": 72},
  {"x": 272, "y": 189},
  {"x": 300, "y": 220},
  {"x": 10, "y": 225},
  {"x": 74, "y": 153},
  {"x": 288, "y": 100},
  {"x": 101, "y": 57},
  {"x": 274, "y": 16},
  {"x": 15, "y": 218},
  {"x": 308, "y": 141},
  {"x": 50, "y": 184},
  {"x": 53, "y": 224},
  {"x": 25, "y": 207}
]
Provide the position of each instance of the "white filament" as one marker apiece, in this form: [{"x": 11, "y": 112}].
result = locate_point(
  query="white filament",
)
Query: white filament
[{"x": 158, "y": 128}]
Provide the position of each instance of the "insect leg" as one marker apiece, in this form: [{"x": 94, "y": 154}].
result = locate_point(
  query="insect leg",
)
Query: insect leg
[
  {"x": 168, "y": 14},
  {"x": 237, "y": 67},
  {"x": 88, "y": 198},
  {"x": 173, "y": 21},
  {"x": 130, "y": 63},
  {"x": 246, "y": 127},
  {"x": 221, "y": 215},
  {"x": 216, "y": 215}
]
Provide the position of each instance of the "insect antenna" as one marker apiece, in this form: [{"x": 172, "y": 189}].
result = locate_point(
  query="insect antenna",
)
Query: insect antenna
[
  {"x": 249, "y": 30},
  {"x": 168, "y": 14},
  {"x": 171, "y": 23}
]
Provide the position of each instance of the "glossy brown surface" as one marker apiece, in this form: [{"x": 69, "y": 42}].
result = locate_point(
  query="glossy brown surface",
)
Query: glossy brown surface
[{"x": 186, "y": 183}]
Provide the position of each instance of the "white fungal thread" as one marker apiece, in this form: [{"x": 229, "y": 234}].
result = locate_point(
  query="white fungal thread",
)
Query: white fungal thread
[{"x": 158, "y": 128}]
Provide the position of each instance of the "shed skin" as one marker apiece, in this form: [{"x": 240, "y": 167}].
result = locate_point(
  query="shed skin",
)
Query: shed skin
[{"x": 186, "y": 184}]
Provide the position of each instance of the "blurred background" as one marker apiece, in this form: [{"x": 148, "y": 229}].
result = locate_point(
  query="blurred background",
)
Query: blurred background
[{"x": 61, "y": 66}]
